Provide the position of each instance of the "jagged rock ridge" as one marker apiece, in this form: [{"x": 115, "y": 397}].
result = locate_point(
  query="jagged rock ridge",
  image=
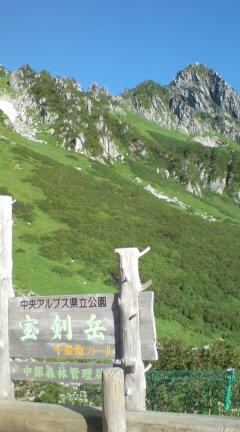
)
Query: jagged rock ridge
[{"x": 197, "y": 102}]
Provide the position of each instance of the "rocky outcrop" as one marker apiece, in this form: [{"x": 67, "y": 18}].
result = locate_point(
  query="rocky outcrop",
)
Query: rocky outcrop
[
  {"x": 93, "y": 123},
  {"x": 110, "y": 150},
  {"x": 137, "y": 148},
  {"x": 15, "y": 110},
  {"x": 237, "y": 196},
  {"x": 194, "y": 189},
  {"x": 197, "y": 101},
  {"x": 89, "y": 106},
  {"x": 204, "y": 90},
  {"x": 207, "y": 141},
  {"x": 80, "y": 143},
  {"x": 97, "y": 91},
  {"x": 218, "y": 185}
]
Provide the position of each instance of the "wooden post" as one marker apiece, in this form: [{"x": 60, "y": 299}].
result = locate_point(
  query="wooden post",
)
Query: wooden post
[
  {"x": 113, "y": 409},
  {"x": 6, "y": 291},
  {"x": 130, "y": 288}
]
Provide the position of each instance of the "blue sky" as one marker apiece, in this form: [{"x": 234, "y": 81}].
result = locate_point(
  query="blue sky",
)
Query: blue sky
[{"x": 120, "y": 43}]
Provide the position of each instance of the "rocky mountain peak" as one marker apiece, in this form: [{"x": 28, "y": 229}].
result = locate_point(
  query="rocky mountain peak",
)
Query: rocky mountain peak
[
  {"x": 42, "y": 107},
  {"x": 197, "y": 101},
  {"x": 205, "y": 90},
  {"x": 194, "y": 74}
]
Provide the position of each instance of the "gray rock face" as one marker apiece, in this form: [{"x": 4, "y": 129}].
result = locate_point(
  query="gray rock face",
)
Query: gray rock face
[
  {"x": 109, "y": 147},
  {"x": 197, "y": 101},
  {"x": 41, "y": 98},
  {"x": 100, "y": 125},
  {"x": 89, "y": 106},
  {"x": 156, "y": 112},
  {"x": 96, "y": 91},
  {"x": 218, "y": 185},
  {"x": 22, "y": 102},
  {"x": 237, "y": 197},
  {"x": 194, "y": 189},
  {"x": 206, "y": 141},
  {"x": 79, "y": 144}
]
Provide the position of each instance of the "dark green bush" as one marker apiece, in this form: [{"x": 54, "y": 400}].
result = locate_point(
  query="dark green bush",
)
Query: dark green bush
[{"x": 24, "y": 211}]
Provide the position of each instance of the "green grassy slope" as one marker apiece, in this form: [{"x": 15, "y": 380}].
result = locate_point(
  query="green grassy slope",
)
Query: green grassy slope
[{"x": 71, "y": 213}]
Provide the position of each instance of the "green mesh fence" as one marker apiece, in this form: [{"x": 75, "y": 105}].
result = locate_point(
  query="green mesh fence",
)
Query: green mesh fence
[{"x": 201, "y": 391}]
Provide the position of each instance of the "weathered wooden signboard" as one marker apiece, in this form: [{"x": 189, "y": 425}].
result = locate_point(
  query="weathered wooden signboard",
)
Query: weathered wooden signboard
[
  {"x": 48, "y": 338},
  {"x": 80, "y": 327}
]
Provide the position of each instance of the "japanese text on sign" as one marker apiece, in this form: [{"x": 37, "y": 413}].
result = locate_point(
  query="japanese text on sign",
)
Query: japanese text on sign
[
  {"x": 94, "y": 331},
  {"x": 64, "y": 303},
  {"x": 57, "y": 372}
]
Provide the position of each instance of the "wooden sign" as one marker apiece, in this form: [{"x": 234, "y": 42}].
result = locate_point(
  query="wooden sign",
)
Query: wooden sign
[
  {"x": 82, "y": 327},
  {"x": 75, "y": 373},
  {"x": 108, "y": 326}
]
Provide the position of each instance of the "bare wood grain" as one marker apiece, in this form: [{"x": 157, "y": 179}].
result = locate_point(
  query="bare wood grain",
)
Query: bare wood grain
[
  {"x": 6, "y": 290},
  {"x": 113, "y": 412},
  {"x": 130, "y": 287}
]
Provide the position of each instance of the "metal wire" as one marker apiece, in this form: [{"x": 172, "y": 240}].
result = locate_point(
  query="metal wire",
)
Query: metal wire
[{"x": 202, "y": 391}]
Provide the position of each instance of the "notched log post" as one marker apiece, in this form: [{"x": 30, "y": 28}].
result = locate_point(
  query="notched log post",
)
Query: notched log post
[
  {"x": 130, "y": 288},
  {"x": 6, "y": 291}
]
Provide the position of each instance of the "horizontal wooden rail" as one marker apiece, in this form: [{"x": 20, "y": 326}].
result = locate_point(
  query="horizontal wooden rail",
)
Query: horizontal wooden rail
[{"x": 38, "y": 417}]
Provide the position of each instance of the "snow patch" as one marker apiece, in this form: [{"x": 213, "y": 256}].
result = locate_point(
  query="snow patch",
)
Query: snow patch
[
  {"x": 164, "y": 197},
  {"x": 176, "y": 201},
  {"x": 16, "y": 113},
  {"x": 205, "y": 216},
  {"x": 9, "y": 110}
]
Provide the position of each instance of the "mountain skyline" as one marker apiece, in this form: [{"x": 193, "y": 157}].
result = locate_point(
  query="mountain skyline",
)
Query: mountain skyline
[
  {"x": 122, "y": 44},
  {"x": 126, "y": 89},
  {"x": 198, "y": 103}
]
